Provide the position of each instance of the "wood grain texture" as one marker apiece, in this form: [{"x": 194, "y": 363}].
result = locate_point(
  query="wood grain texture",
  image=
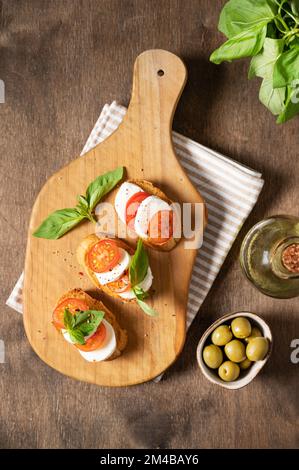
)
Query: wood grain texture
[
  {"x": 142, "y": 145},
  {"x": 61, "y": 62}
]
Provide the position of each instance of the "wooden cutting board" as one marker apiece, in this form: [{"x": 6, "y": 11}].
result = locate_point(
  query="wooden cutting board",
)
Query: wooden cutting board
[{"x": 143, "y": 145}]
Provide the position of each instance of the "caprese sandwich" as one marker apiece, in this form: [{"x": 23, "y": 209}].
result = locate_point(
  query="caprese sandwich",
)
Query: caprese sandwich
[
  {"x": 115, "y": 268},
  {"x": 148, "y": 213},
  {"x": 89, "y": 326}
]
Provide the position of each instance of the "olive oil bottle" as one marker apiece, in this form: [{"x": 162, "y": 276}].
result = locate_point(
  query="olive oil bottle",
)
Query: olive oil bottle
[{"x": 270, "y": 256}]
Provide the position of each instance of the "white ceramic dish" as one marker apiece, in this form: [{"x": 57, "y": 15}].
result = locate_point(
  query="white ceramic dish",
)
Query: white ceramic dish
[{"x": 246, "y": 376}]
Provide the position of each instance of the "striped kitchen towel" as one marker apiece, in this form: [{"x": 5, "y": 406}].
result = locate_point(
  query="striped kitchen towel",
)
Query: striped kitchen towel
[{"x": 229, "y": 189}]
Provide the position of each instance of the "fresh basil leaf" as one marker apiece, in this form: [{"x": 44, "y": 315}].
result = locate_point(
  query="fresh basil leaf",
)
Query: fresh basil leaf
[
  {"x": 139, "y": 265},
  {"x": 295, "y": 7},
  {"x": 81, "y": 317},
  {"x": 294, "y": 42},
  {"x": 77, "y": 336},
  {"x": 147, "y": 309},
  {"x": 245, "y": 44},
  {"x": 88, "y": 329},
  {"x": 83, "y": 203},
  {"x": 140, "y": 293},
  {"x": 68, "y": 319},
  {"x": 137, "y": 270},
  {"x": 58, "y": 223},
  {"x": 241, "y": 15},
  {"x": 95, "y": 317},
  {"x": 272, "y": 31},
  {"x": 84, "y": 210},
  {"x": 286, "y": 68},
  {"x": 63, "y": 220},
  {"x": 262, "y": 64},
  {"x": 82, "y": 323},
  {"x": 275, "y": 51},
  {"x": 291, "y": 105},
  {"x": 272, "y": 98},
  {"x": 102, "y": 185}
]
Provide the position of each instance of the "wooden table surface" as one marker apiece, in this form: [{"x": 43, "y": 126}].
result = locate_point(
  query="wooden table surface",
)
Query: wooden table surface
[{"x": 61, "y": 62}]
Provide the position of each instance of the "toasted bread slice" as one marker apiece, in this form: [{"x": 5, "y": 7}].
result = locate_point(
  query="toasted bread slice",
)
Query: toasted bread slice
[
  {"x": 154, "y": 191},
  {"x": 82, "y": 251},
  {"x": 94, "y": 304}
]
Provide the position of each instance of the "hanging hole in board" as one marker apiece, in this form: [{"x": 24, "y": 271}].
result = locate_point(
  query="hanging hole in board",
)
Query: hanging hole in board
[{"x": 160, "y": 73}]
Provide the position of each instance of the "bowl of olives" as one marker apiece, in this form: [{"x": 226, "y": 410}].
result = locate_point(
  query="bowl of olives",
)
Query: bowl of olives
[{"x": 234, "y": 349}]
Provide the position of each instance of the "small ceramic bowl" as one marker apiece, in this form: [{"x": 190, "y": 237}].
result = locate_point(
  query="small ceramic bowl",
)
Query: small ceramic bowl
[{"x": 246, "y": 376}]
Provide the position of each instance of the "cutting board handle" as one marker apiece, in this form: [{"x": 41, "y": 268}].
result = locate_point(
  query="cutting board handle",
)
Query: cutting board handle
[{"x": 158, "y": 81}]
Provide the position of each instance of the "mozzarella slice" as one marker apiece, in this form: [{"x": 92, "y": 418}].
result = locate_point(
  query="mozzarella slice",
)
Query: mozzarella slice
[
  {"x": 147, "y": 209},
  {"x": 102, "y": 353},
  {"x": 125, "y": 192},
  {"x": 117, "y": 271},
  {"x": 145, "y": 285}
]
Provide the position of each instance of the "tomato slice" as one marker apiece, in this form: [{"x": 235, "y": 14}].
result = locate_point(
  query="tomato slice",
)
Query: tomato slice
[
  {"x": 161, "y": 226},
  {"x": 121, "y": 285},
  {"x": 73, "y": 305},
  {"x": 95, "y": 341},
  {"x": 103, "y": 256},
  {"x": 133, "y": 204}
]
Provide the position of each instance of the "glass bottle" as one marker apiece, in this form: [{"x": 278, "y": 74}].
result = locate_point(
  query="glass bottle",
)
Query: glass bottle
[{"x": 269, "y": 256}]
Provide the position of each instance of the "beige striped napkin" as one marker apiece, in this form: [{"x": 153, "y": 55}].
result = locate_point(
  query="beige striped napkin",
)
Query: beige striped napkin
[{"x": 229, "y": 189}]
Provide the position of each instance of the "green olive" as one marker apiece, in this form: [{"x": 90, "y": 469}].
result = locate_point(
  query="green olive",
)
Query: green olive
[
  {"x": 213, "y": 356},
  {"x": 257, "y": 349},
  {"x": 222, "y": 335},
  {"x": 235, "y": 351},
  {"x": 255, "y": 333},
  {"x": 245, "y": 364},
  {"x": 241, "y": 327},
  {"x": 229, "y": 371}
]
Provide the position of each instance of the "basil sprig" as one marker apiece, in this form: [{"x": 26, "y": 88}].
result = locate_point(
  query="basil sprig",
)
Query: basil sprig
[
  {"x": 139, "y": 264},
  {"x": 267, "y": 31},
  {"x": 63, "y": 220},
  {"x": 82, "y": 323},
  {"x": 137, "y": 271}
]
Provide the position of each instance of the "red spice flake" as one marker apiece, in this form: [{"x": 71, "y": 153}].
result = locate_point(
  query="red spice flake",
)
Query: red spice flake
[
  {"x": 290, "y": 258},
  {"x": 80, "y": 273}
]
